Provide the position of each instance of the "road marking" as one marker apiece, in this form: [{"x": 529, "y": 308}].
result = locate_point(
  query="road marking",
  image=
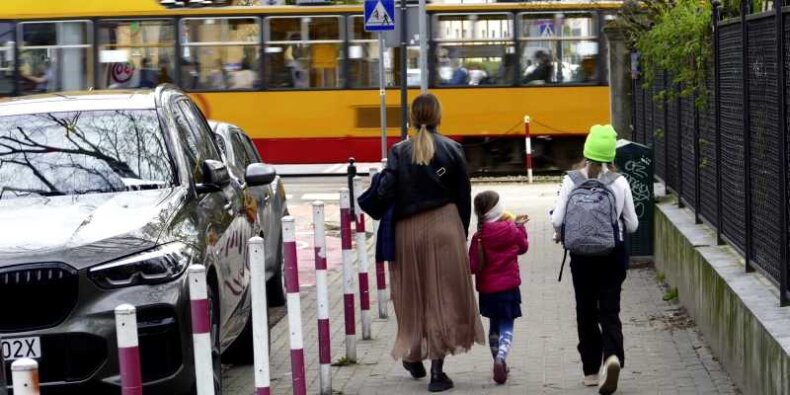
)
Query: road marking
[{"x": 336, "y": 168}]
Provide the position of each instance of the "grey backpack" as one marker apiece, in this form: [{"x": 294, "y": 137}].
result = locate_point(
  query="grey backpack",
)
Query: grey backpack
[{"x": 591, "y": 225}]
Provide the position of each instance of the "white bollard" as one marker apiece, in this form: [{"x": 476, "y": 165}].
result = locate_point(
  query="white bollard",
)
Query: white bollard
[
  {"x": 348, "y": 274},
  {"x": 381, "y": 278},
  {"x": 260, "y": 316},
  {"x": 24, "y": 377},
  {"x": 362, "y": 259},
  {"x": 128, "y": 350},
  {"x": 294, "y": 307},
  {"x": 322, "y": 295},
  {"x": 201, "y": 330}
]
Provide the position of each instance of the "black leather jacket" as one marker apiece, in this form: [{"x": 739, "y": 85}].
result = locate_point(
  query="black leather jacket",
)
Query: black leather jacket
[{"x": 418, "y": 188}]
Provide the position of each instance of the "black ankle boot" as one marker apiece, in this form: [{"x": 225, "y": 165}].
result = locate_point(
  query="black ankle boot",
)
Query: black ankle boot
[
  {"x": 416, "y": 369},
  {"x": 439, "y": 380}
]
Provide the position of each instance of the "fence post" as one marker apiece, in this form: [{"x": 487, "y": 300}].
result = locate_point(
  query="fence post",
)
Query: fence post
[
  {"x": 680, "y": 147},
  {"x": 784, "y": 239},
  {"x": 260, "y": 316},
  {"x": 697, "y": 162},
  {"x": 665, "y": 137},
  {"x": 528, "y": 147},
  {"x": 381, "y": 278},
  {"x": 348, "y": 274},
  {"x": 322, "y": 298},
  {"x": 362, "y": 260},
  {"x": 201, "y": 330},
  {"x": 128, "y": 350},
  {"x": 717, "y": 90},
  {"x": 24, "y": 377},
  {"x": 747, "y": 138},
  {"x": 294, "y": 307}
]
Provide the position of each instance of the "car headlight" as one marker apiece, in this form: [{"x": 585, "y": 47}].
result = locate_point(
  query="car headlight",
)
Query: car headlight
[{"x": 159, "y": 265}]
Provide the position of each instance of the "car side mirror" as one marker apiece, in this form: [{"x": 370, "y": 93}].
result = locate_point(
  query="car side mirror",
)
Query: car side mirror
[
  {"x": 259, "y": 174},
  {"x": 215, "y": 177}
]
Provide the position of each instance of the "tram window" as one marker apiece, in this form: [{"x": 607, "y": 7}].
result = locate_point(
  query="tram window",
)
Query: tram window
[
  {"x": 304, "y": 52},
  {"x": 558, "y": 48},
  {"x": 136, "y": 53},
  {"x": 220, "y": 53},
  {"x": 363, "y": 57},
  {"x": 474, "y": 49},
  {"x": 55, "y": 56},
  {"x": 6, "y": 58}
]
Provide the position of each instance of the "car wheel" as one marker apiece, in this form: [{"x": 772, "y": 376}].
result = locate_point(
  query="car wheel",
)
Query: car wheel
[
  {"x": 275, "y": 293},
  {"x": 216, "y": 359}
]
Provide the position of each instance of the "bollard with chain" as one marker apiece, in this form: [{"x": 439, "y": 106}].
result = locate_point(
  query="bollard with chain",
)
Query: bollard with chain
[
  {"x": 24, "y": 377},
  {"x": 362, "y": 260},
  {"x": 294, "y": 307},
  {"x": 260, "y": 316},
  {"x": 322, "y": 298},
  {"x": 348, "y": 274},
  {"x": 128, "y": 350},
  {"x": 351, "y": 173}
]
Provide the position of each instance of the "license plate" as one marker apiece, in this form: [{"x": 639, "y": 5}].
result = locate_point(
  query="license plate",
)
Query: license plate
[{"x": 22, "y": 347}]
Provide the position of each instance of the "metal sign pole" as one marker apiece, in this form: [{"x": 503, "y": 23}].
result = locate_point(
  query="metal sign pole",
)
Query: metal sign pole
[
  {"x": 383, "y": 96},
  {"x": 423, "y": 49}
]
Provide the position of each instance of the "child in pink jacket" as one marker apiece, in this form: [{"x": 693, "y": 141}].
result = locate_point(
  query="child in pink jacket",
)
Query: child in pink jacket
[{"x": 493, "y": 256}]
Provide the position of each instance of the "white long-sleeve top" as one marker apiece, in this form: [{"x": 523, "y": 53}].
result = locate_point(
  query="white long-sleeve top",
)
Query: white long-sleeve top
[{"x": 624, "y": 202}]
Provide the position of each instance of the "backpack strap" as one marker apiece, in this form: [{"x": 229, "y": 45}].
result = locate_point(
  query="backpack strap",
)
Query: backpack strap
[
  {"x": 609, "y": 177},
  {"x": 577, "y": 177}
]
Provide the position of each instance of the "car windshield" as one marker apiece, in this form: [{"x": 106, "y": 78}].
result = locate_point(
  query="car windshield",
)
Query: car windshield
[{"x": 81, "y": 152}]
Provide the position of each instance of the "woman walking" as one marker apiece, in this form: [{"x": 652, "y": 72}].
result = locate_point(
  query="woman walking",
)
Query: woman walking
[
  {"x": 597, "y": 278},
  {"x": 427, "y": 181}
]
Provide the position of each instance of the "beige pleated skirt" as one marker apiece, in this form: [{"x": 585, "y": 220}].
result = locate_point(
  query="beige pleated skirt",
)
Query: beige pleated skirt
[{"x": 432, "y": 288}]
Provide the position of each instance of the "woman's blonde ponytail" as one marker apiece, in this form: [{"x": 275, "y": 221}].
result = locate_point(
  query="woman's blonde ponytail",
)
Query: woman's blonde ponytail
[
  {"x": 423, "y": 147},
  {"x": 426, "y": 115}
]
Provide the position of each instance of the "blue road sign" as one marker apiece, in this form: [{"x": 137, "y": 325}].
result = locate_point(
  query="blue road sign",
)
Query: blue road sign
[{"x": 379, "y": 15}]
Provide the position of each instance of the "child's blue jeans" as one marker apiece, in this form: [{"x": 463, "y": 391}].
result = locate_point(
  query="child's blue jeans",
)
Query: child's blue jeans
[{"x": 500, "y": 337}]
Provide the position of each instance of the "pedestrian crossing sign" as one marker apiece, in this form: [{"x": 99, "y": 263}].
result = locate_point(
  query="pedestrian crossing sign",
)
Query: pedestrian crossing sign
[{"x": 379, "y": 15}]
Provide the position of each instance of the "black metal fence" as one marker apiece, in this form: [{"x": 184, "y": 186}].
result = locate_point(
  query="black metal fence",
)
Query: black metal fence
[{"x": 728, "y": 160}]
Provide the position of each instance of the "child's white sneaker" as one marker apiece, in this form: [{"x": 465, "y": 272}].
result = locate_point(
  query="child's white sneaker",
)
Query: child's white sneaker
[
  {"x": 610, "y": 374},
  {"x": 590, "y": 380}
]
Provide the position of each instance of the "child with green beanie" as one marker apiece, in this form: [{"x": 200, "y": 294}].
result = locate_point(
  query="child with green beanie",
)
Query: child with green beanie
[{"x": 597, "y": 280}]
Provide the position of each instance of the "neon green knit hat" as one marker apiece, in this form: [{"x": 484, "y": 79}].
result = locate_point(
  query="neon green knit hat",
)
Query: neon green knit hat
[{"x": 601, "y": 143}]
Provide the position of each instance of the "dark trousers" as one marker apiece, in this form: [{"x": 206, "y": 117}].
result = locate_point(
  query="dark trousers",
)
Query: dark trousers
[{"x": 597, "y": 282}]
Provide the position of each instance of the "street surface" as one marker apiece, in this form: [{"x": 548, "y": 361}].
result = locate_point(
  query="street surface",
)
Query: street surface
[{"x": 665, "y": 354}]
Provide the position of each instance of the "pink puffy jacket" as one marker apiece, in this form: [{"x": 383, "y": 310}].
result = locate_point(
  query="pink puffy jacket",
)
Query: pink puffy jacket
[{"x": 503, "y": 242}]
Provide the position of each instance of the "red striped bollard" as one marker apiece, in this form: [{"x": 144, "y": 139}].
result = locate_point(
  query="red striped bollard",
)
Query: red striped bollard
[
  {"x": 381, "y": 278},
  {"x": 128, "y": 350},
  {"x": 528, "y": 151},
  {"x": 24, "y": 377},
  {"x": 201, "y": 330},
  {"x": 362, "y": 259},
  {"x": 322, "y": 297},
  {"x": 260, "y": 316},
  {"x": 348, "y": 274},
  {"x": 294, "y": 307}
]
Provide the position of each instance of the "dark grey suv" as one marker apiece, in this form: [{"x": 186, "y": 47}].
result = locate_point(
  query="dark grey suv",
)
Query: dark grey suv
[{"x": 106, "y": 198}]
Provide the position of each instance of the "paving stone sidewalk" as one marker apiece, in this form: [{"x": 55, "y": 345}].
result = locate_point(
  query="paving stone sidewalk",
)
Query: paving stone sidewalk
[{"x": 665, "y": 353}]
